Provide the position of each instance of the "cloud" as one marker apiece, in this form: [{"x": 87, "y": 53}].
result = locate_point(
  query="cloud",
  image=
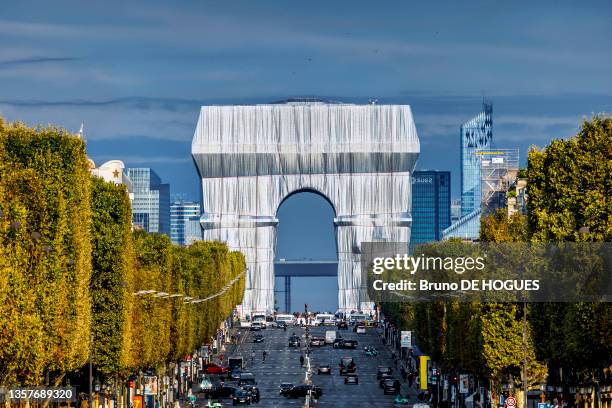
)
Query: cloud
[{"x": 35, "y": 60}]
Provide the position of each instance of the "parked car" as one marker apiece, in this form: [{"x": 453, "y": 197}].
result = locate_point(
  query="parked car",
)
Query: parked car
[
  {"x": 302, "y": 390},
  {"x": 212, "y": 368},
  {"x": 241, "y": 396},
  {"x": 351, "y": 379},
  {"x": 324, "y": 369}
]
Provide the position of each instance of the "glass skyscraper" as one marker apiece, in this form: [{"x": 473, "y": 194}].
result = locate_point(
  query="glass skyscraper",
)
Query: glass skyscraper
[
  {"x": 185, "y": 222},
  {"x": 431, "y": 199},
  {"x": 475, "y": 134},
  {"x": 151, "y": 205}
]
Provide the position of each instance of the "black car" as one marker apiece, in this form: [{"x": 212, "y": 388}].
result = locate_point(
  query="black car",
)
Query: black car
[
  {"x": 324, "y": 369},
  {"x": 294, "y": 341},
  {"x": 258, "y": 338},
  {"x": 255, "y": 396},
  {"x": 247, "y": 379},
  {"x": 302, "y": 390},
  {"x": 351, "y": 379},
  {"x": 235, "y": 374},
  {"x": 281, "y": 325},
  {"x": 241, "y": 396},
  {"x": 390, "y": 386},
  {"x": 284, "y": 387},
  {"x": 345, "y": 344},
  {"x": 223, "y": 390},
  {"x": 383, "y": 372}
]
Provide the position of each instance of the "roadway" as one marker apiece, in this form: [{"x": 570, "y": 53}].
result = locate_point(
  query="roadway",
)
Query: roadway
[{"x": 282, "y": 365}]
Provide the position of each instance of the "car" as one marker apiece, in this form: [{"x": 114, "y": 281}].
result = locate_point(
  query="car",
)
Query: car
[
  {"x": 284, "y": 387},
  {"x": 281, "y": 325},
  {"x": 346, "y": 344},
  {"x": 255, "y": 395},
  {"x": 351, "y": 379},
  {"x": 212, "y": 368},
  {"x": 302, "y": 390},
  {"x": 241, "y": 396},
  {"x": 317, "y": 341},
  {"x": 347, "y": 365},
  {"x": 258, "y": 338},
  {"x": 342, "y": 325},
  {"x": 324, "y": 369},
  {"x": 223, "y": 390},
  {"x": 294, "y": 341},
  {"x": 235, "y": 374},
  {"x": 246, "y": 379},
  {"x": 390, "y": 386},
  {"x": 256, "y": 326},
  {"x": 360, "y": 329},
  {"x": 383, "y": 372},
  {"x": 205, "y": 385}
]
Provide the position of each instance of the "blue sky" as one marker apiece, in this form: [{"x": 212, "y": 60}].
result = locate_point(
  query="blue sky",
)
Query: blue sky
[{"x": 136, "y": 72}]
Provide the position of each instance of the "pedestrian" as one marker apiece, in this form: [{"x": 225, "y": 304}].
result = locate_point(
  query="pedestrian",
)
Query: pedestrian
[
  {"x": 410, "y": 378},
  {"x": 301, "y": 360},
  {"x": 265, "y": 354},
  {"x": 395, "y": 362},
  {"x": 397, "y": 385},
  {"x": 403, "y": 373},
  {"x": 252, "y": 357}
]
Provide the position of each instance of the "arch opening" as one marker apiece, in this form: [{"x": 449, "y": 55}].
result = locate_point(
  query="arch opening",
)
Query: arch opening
[{"x": 306, "y": 253}]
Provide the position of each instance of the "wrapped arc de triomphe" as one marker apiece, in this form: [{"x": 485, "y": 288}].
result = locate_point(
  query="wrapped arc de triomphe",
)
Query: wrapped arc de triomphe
[{"x": 251, "y": 158}]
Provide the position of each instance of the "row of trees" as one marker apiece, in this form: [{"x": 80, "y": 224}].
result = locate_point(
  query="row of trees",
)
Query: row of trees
[
  {"x": 70, "y": 265},
  {"x": 570, "y": 199}
]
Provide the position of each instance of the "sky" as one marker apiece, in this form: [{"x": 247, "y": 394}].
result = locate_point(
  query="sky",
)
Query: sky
[{"x": 136, "y": 72}]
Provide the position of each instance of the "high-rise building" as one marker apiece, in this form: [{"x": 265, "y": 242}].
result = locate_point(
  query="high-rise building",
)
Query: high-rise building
[
  {"x": 185, "y": 226},
  {"x": 475, "y": 134},
  {"x": 455, "y": 210},
  {"x": 151, "y": 205},
  {"x": 498, "y": 172},
  {"x": 431, "y": 193}
]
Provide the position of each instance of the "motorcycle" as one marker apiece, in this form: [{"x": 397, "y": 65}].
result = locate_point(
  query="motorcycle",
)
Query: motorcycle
[{"x": 399, "y": 400}]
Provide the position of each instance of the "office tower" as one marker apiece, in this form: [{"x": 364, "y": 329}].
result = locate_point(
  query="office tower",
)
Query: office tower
[
  {"x": 430, "y": 206},
  {"x": 475, "y": 134},
  {"x": 151, "y": 205},
  {"x": 185, "y": 226},
  {"x": 455, "y": 210}
]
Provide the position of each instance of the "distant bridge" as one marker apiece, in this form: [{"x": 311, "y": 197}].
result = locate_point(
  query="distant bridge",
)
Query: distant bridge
[{"x": 302, "y": 268}]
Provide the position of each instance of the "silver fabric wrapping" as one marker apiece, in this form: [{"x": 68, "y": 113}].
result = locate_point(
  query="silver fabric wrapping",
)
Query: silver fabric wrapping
[{"x": 251, "y": 158}]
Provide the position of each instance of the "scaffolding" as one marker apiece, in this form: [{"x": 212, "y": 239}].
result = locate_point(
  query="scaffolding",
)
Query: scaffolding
[{"x": 498, "y": 171}]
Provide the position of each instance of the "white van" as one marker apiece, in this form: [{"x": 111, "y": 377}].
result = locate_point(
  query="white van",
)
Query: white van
[
  {"x": 330, "y": 336},
  {"x": 288, "y": 319},
  {"x": 325, "y": 319}
]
